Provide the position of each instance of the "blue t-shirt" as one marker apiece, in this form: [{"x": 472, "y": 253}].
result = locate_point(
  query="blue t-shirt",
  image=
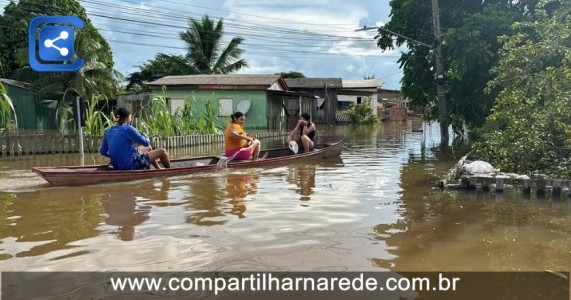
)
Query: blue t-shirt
[{"x": 118, "y": 144}]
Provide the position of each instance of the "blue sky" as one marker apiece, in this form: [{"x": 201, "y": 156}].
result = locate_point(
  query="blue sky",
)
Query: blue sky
[{"x": 315, "y": 37}]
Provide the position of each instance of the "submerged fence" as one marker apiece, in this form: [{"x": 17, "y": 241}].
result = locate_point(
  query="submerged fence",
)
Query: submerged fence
[{"x": 30, "y": 142}]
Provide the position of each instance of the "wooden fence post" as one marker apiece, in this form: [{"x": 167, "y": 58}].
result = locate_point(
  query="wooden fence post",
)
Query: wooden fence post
[
  {"x": 500, "y": 183},
  {"x": 526, "y": 187},
  {"x": 541, "y": 187},
  {"x": 556, "y": 192}
]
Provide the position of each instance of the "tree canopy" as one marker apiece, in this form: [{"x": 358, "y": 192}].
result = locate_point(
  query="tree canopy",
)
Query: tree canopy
[
  {"x": 291, "y": 74},
  {"x": 96, "y": 76},
  {"x": 529, "y": 129},
  {"x": 470, "y": 49}
]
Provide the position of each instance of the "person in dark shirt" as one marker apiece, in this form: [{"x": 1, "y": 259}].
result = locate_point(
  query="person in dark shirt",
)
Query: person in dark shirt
[
  {"x": 118, "y": 145},
  {"x": 303, "y": 133}
]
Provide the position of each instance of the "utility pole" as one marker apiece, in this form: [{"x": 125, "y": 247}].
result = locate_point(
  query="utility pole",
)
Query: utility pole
[
  {"x": 442, "y": 109},
  {"x": 80, "y": 130}
]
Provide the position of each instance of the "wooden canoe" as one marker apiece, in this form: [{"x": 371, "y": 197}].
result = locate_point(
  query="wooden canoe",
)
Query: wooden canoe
[{"x": 97, "y": 174}]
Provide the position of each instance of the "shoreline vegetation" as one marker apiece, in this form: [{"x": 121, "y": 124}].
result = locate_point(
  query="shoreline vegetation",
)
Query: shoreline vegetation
[{"x": 508, "y": 80}]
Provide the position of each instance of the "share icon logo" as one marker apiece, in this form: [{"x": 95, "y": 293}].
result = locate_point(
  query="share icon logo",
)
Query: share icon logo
[
  {"x": 49, "y": 50},
  {"x": 54, "y": 45}
]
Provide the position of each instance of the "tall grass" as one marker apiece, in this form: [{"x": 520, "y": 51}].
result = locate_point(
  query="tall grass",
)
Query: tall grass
[
  {"x": 6, "y": 108},
  {"x": 95, "y": 120},
  {"x": 157, "y": 120}
]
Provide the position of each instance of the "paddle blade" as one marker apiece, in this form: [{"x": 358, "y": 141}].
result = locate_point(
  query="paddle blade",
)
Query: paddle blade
[{"x": 294, "y": 147}]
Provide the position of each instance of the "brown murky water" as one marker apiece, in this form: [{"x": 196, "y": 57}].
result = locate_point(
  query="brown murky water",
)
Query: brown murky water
[{"x": 373, "y": 209}]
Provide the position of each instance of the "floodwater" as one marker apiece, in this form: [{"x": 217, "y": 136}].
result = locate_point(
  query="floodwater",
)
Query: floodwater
[{"x": 374, "y": 208}]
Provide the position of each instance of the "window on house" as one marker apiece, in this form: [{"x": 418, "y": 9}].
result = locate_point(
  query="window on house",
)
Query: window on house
[
  {"x": 176, "y": 104},
  {"x": 358, "y": 100},
  {"x": 225, "y": 107},
  {"x": 342, "y": 105}
]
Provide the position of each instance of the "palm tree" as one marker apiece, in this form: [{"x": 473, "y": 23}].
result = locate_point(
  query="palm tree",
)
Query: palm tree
[
  {"x": 206, "y": 55},
  {"x": 204, "y": 42}
]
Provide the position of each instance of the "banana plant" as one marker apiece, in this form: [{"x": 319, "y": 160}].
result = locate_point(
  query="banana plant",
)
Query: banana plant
[{"x": 6, "y": 108}]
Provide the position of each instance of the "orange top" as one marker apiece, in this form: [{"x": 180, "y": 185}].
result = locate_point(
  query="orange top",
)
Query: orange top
[{"x": 230, "y": 143}]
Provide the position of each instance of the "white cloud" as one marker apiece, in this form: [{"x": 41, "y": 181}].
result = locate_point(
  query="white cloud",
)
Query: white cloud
[{"x": 332, "y": 46}]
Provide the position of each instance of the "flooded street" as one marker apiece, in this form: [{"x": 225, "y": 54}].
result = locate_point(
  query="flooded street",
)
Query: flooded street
[{"x": 374, "y": 208}]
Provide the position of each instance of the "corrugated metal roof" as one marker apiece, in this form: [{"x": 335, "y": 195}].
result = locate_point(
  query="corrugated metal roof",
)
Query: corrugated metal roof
[
  {"x": 19, "y": 84},
  {"x": 365, "y": 83},
  {"x": 313, "y": 82},
  {"x": 233, "y": 79}
]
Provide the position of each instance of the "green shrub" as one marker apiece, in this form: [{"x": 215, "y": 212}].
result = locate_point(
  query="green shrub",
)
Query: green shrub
[{"x": 362, "y": 114}]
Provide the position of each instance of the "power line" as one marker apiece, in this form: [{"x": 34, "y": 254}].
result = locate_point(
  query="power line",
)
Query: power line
[
  {"x": 261, "y": 17},
  {"x": 318, "y": 37},
  {"x": 246, "y": 43},
  {"x": 276, "y": 52},
  {"x": 177, "y": 15}
]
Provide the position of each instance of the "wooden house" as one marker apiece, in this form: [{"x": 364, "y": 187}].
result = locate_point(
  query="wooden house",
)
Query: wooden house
[
  {"x": 320, "y": 98},
  {"x": 261, "y": 97}
]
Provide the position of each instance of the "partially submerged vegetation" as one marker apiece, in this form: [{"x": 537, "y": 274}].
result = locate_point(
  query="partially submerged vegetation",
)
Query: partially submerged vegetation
[
  {"x": 529, "y": 129},
  {"x": 362, "y": 113},
  {"x": 157, "y": 119},
  {"x": 6, "y": 108},
  {"x": 508, "y": 76}
]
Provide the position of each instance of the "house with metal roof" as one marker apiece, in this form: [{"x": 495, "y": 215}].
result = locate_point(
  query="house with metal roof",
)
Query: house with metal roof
[
  {"x": 31, "y": 114},
  {"x": 358, "y": 91},
  {"x": 323, "y": 106},
  {"x": 260, "y": 97}
]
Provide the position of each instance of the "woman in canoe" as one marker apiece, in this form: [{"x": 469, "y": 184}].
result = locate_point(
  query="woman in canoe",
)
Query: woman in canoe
[
  {"x": 303, "y": 133},
  {"x": 236, "y": 140},
  {"x": 118, "y": 145}
]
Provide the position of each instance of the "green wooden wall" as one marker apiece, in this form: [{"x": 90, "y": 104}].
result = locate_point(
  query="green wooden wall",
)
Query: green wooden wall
[
  {"x": 256, "y": 117},
  {"x": 30, "y": 113}
]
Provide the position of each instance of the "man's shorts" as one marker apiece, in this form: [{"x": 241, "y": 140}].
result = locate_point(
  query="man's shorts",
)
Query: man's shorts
[{"x": 141, "y": 161}]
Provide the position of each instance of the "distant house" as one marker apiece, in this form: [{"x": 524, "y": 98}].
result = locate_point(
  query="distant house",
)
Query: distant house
[
  {"x": 134, "y": 102},
  {"x": 357, "y": 91},
  {"x": 323, "y": 105},
  {"x": 261, "y": 97},
  {"x": 393, "y": 104},
  {"x": 31, "y": 114}
]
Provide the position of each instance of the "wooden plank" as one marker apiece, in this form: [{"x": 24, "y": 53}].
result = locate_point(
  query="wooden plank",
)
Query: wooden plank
[
  {"x": 55, "y": 144},
  {"x": 69, "y": 148},
  {"x": 500, "y": 183},
  {"x": 34, "y": 144},
  {"x": 18, "y": 145},
  {"x": 540, "y": 183},
  {"x": 556, "y": 193},
  {"x": 486, "y": 182},
  {"x": 8, "y": 144},
  {"x": 472, "y": 181},
  {"x": 526, "y": 186}
]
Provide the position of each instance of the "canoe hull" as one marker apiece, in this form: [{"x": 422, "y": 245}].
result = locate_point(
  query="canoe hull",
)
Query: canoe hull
[{"x": 97, "y": 174}]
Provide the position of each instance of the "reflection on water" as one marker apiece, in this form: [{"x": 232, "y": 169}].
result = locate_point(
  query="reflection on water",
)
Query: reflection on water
[
  {"x": 39, "y": 222},
  {"x": 372, "y": 208},
  {"x": 238, "y": 187},
  {"x": 124, "y": 212},
  {"x": 304, "y": 178}
]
